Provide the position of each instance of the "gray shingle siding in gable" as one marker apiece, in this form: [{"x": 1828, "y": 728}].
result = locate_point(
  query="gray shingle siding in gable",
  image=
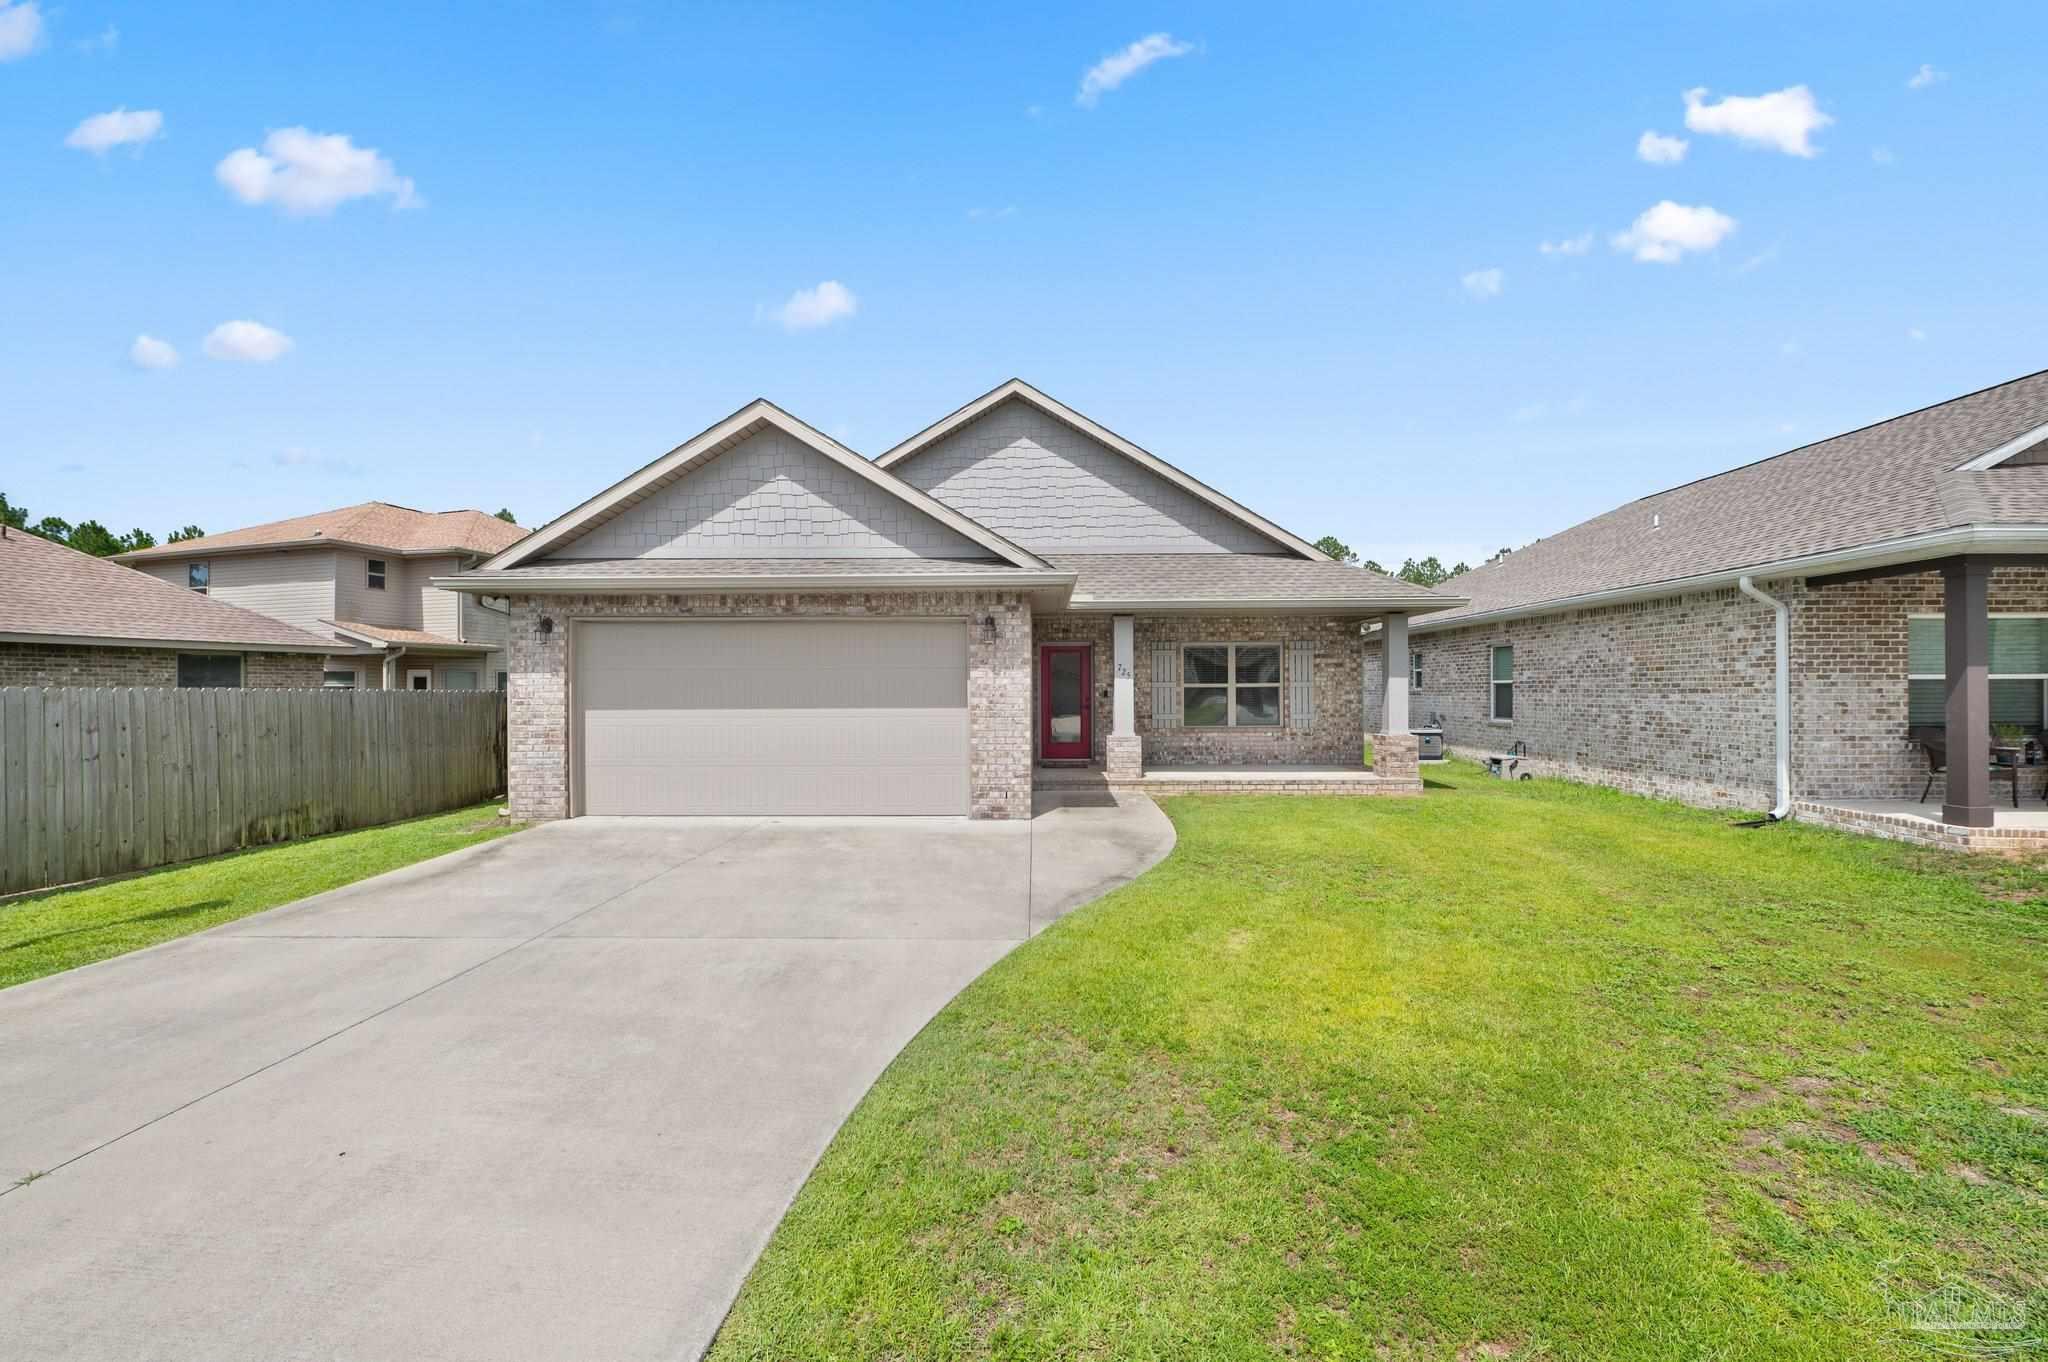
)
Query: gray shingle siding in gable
[
  {"x": 770, "y": 497},
  {"x": 1042, "y": 484}
]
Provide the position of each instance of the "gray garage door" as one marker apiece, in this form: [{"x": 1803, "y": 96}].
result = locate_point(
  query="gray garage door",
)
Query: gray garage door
[{"x": 773, "y": 716}]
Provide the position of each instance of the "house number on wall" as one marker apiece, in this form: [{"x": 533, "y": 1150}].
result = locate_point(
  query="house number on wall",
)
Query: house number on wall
[{"x": 1123, "y": 671}]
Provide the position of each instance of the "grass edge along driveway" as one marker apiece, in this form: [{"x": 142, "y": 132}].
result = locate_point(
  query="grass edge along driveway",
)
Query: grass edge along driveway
[
  {"x": 45, "y": 933},
  {"x": 1508, "y": 1071}
]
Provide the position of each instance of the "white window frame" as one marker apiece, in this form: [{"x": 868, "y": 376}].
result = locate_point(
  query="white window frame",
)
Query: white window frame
[
  {"x": 354, "y": 678},
  {"x": 1230, "y": 687},
  {"x": 204, "y": 568},
  {"x": 411, "y": 672},
  {"x": 375, "y": 570},
  {"x": 1913, "y": 676},
  {"x": 1415, "y": 669},
  {"x": 1493, "y": 713}
]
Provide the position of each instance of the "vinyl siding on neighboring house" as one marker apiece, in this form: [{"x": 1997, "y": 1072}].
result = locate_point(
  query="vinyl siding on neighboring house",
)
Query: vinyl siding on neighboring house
[
  {"x": 480, "y": 623},
  {"x": 296, "y": 588},
  {"x": 439, "y": 610},
  {"x": 355, "y": 601}
]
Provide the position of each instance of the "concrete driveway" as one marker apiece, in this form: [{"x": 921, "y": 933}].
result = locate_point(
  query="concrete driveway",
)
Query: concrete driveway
[{"x": 544, "y": 1098}]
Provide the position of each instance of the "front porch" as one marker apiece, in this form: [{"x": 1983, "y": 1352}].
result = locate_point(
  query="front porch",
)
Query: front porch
[{"x": 1301, "y": 779}]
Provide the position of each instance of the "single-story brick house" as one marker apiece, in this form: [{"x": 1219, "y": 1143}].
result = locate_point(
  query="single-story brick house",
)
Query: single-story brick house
[
  {"x": 70, "y": 619},
  {"x": 1777, "y": 636},
  {"x": 763, "y": 621}
]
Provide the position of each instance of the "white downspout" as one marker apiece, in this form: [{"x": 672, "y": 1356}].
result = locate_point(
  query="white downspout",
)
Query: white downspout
[{"x": 1784, "y": 695}]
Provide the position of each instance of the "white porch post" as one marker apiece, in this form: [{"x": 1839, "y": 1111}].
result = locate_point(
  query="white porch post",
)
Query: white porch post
[
  {"x": 1394, "y": 674},
  {"x": 1124, "y": 750}
]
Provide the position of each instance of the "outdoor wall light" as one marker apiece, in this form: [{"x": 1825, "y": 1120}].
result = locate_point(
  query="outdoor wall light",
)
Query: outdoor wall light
[
  {"x": 988, "y": 628},
  {"x": 544, "y": 626}
]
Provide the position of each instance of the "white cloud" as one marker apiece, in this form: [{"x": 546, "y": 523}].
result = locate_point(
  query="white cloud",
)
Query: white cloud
[
  {"x": 306, "y": 173},
  {"x": 107, "y": 40},
  {"x": 21, "y": 29},
  {"x": 1881, "y": 156},
  {"x": 1666, "y": 232},
  {"x": 103, "y": 132},
  {"x": 1484, "y": 283},
  {"x": 1660, "y": 150},
  {"x": 250, "y": 342},
  {"x": 1925, "y": 77},
  {"x": 1571, "y": 245},
  {"x": 810, "y": 308},
  {"x": 1915, "y": 333},
  {"x": 150, "y": 353},
  {"x": 1118, "y": 67},
  {"x": 1784, "y": 119}
]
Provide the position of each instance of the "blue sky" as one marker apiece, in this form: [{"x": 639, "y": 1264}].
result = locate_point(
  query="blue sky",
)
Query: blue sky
[{"x": 1265, "y": 253}]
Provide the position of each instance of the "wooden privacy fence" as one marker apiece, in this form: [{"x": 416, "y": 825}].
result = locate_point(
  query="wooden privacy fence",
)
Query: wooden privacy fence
[{"x": 102, "y": 780}]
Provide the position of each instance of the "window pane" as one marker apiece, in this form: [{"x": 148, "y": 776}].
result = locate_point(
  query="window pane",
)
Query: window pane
[
  {"x": 501, "y": 680},
  {"x": 338, "y": 680},
  {"x": 1258, "y": 666},
  {"x": 2016, "y": 702},
  {"x": 197, "y": 575},
  {"x": 1204, "y": 706},
  {"x": 1503, "y": 664},
  {"x": 2016, "y": 646},
  {"x": 1924, "y": 650},
  {"x": 1207, "y": 666},
  {"x": 1926, "y": 703},
  {"x": 375, "y": 575},
  {"x": 1503, "y": 700},
  {"x": 1415, "y": 670},
  {"x": 1258, "y": 706},
  {"x": 209, "y": 669},
  {"x": 458, "y": 678}
]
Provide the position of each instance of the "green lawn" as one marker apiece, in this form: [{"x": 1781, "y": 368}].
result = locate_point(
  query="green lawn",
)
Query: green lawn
[
  {"x": 1512, "y": 1070},
  {"x": 45, "y": 933}
]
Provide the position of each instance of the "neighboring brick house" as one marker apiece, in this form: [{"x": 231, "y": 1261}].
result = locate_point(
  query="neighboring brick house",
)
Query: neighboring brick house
[
  {"x": 1908, "y": 558},
  {"x": 69, "y": 619},
  {"x": 361, "y": 576},
  {"x": 762, "y": 621}
]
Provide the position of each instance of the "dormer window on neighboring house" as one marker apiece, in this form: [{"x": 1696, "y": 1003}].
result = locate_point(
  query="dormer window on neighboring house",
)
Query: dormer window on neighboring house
[
  {"x": 376, "y": 574},
  {"x": 197, "y": 575}
]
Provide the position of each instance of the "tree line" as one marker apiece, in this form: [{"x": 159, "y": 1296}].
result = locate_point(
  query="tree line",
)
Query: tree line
[{"x": 87, "y": 536}]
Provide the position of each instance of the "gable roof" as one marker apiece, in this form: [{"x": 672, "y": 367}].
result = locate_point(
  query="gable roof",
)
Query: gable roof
[
  {"x": 398, "y": 530},
  {"x": 1017, "y": 389},
  {"x": 52, "y": 593},
  {"x": 750, "y": 420},
  {"x": 1906, "y": 487}
]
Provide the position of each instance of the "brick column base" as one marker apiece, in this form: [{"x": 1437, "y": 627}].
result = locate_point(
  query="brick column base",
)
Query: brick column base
[
  {"x": 1394, "y": 757},
  {"x": 1125, "y": 759}
]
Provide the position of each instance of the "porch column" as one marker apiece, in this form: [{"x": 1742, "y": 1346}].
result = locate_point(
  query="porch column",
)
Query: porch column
[
  {"x": 1394, "y": 674},
  {"x": 1966, "y": 628},
  {"x": 1125, "y": 751}
]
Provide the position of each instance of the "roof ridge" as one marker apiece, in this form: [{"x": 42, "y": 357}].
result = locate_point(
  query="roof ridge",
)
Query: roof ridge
[{"x": 1839, "y": 435}]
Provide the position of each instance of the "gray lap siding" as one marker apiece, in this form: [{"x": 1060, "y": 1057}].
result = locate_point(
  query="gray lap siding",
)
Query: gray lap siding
[
  {"x": 998, "y": 680},
  {"x": 1333, "y": 736}
]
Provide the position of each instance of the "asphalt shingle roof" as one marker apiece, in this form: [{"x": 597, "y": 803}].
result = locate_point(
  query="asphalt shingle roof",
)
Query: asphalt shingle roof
[
  {"x": 46, "y": 588},
  {"x": 374, "y": 524},
  {"x": 750, "y": 567},
  {"x": 1879, "y": 483},
  {"x": 1254, "y": 578}
]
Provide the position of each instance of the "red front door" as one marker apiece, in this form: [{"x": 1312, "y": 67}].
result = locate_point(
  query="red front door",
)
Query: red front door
[{"x": 1066, "y": 701}]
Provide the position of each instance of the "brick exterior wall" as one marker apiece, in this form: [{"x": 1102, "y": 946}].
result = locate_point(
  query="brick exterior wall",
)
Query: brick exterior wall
[
  {"x": 998, "y": 681},
  {"x": 50, "y": 664},
  {"x": 1335, "y": 736},
  {"x": 1675, "y": 697}
]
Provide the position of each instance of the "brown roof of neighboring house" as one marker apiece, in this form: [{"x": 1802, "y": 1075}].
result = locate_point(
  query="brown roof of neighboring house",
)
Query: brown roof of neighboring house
[
  {"x": 1884, "y": 482},
  {"x": 373, "y": 524},
  {"x": 417, "y": 637},
  {"x": 49, "y": 591}
]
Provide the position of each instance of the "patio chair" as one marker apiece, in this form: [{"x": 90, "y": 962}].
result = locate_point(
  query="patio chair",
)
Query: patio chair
[{"x": 1934, "y": 742}]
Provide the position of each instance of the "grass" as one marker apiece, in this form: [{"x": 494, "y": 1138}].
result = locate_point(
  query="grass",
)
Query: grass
[
  {"x": 44, "y": 933},
  {"x": 1514, "y": 1070}
]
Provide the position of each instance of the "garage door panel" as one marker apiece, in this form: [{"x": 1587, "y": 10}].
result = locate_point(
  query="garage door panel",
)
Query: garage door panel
[{"x": 762, "y": 717}]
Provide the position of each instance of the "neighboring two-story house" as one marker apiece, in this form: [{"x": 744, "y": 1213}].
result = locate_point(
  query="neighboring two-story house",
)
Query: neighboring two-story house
[{"x": 363, "y": 576}]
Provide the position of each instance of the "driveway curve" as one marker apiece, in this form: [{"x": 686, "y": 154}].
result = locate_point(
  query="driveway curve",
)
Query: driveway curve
[{"x": 543, "y": 1098}]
